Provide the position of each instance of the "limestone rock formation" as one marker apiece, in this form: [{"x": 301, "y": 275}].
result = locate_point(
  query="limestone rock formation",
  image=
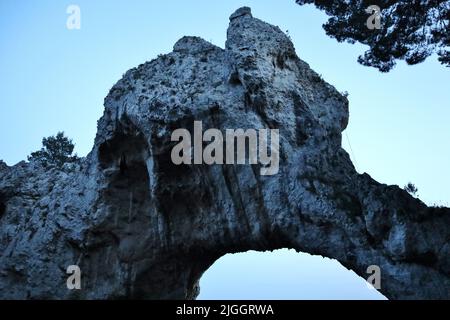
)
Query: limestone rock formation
[{"x": 139, "y": 226}]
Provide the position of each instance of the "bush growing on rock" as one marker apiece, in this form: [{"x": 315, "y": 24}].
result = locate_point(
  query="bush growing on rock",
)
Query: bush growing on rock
[
  {"x": 411, "y": 189},
  {"x": 57, "y": 150}
]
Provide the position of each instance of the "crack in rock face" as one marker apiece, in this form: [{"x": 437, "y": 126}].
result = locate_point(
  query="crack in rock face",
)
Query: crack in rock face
[{"x": 139, "y": 226}]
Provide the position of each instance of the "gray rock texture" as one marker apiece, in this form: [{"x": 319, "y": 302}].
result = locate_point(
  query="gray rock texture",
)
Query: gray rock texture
[{"x": 151, "y": 230}]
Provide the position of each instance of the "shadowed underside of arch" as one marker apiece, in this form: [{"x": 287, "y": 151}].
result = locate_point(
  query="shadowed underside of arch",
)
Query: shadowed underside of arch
[{"x": 140, "y": 226}]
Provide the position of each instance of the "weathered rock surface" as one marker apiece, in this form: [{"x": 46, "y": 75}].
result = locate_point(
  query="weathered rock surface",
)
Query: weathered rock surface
[{"x": 150, "y": 231}]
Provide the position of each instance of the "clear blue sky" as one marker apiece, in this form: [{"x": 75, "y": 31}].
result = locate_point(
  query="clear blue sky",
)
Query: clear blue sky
[{"x": 54, "y": 79}]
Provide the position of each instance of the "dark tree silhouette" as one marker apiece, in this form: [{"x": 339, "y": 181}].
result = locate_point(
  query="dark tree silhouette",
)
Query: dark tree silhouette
[
  {"x": 410, "y": 30},
  {"x": 57, "y": 150},
  {"x": 411, "y": 188}
]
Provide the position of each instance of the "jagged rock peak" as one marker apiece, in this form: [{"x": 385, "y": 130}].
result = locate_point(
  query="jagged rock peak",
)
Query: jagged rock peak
[
  {"x": 193, "y": 45},
  {"x": 241, "y": 12}
]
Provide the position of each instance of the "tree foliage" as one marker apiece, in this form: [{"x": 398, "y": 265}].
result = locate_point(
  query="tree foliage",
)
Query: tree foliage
[
  {"x": 57, "y": 150},
  {"x": 411, "y": 30},
  {"x": 411, "y": 188}
]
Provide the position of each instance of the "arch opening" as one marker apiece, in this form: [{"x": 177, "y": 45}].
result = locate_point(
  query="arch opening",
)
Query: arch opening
[{"x": 282, "y": 274}]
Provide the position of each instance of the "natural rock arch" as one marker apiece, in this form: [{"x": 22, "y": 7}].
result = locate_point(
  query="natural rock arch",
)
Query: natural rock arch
[{"x": 158, "y": 243}]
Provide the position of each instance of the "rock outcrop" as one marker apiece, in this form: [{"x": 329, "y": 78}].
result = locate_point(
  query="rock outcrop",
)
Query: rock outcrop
[{"x": 139, "y": 226}]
